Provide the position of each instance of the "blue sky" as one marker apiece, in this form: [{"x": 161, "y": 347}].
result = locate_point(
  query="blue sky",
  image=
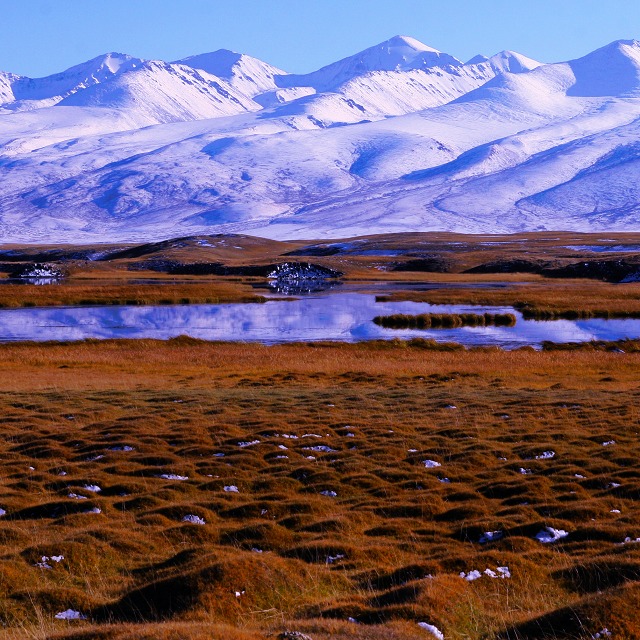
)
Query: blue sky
[{"x": 40, "y": 37}]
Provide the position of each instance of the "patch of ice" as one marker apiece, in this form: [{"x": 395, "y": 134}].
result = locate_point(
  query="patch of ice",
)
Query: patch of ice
[
  {"x": 332, "y": 559},
  {"x": 444, "y": 480},
  {"x": 608, "y": 443},
  {"x": 44, "y": 561},
  {"x": 94, "y": 510},
  {"x": 193, "y": 519},
  {"x": 525, "y": 472},
  {"x": 218, "y": 455},
  {"x": 579, "y": 476},
  {"x": 282, "y": 447},
  {"x": 432, "y": 629},
  {"x": 231, "y": 488},
  {"x": 431, "y": 464},
  {"x": 323, "y": 448},
  {"x": 499, "y": 573},
  {"x": 250, "y": 443},
  {"x": 76, "y": 496},
  {"x": 3, "y": 512},
  {"x": 451, "y": 406},
  {"x": 491, "y": 536},
  {"x": 629, "y": 540},
  {"x": 504, "y": 572},
  {"x": 412, "y": 450},
  {"x": 172, "y": 476},
  {"x": 329, "y": 494},
  {"x": 549, "y": 534},
  {"x": 311, "y": 435},
  {"x": 94, "y": 488},
  {"x": 603, "y": 633},
  {"x": 471, "y": 576},
  {"x": 613, "y": 485},
  {"x": 290, "y": 436},
  {"x": 122, "y": 447},
  {"x": 546, "y": 455},
  {"x": 70, "y": 614}
]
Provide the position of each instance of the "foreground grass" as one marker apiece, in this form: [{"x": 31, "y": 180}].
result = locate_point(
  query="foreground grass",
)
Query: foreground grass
[{"x": 295, "y": 423}]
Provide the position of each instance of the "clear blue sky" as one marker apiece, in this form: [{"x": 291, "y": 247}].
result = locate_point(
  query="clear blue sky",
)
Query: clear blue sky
[{"x": 40, "y": 37}]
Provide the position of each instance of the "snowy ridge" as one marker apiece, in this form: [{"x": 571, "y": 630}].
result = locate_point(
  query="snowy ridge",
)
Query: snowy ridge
[{"x": 399, "y": 137}]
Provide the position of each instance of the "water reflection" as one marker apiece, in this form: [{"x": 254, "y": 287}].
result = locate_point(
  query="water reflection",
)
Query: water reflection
[{"x": 338, "y": 316}]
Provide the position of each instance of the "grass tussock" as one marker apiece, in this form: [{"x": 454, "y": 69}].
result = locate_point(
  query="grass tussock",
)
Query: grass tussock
[
  {"x": 445, "y": 320},
  {"x": 226, "y": 490}
]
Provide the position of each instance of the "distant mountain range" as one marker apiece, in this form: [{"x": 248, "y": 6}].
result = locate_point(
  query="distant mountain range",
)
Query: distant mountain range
[{"x": 398, "y": 137}]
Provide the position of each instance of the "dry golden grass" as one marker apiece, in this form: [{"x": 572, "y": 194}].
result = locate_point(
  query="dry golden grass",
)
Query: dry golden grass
[{"x": 138, "y": 571}]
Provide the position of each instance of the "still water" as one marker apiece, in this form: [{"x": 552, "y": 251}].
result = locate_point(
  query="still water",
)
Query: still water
[{"x": 334, "y": 316}]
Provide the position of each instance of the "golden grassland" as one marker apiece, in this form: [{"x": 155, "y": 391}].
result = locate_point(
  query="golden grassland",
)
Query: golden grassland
[
  {"x": 117, "y": 280},
  {"x": 385, "y": 551}
]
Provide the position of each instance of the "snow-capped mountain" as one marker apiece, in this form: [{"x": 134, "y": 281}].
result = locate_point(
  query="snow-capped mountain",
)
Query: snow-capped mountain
[
  {"x": 399, "y": 137},
  {"x": 248, "y": 75}
]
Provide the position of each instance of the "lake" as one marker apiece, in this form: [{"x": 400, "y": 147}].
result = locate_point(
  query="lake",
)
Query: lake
[{"x": 343, "y": 316}]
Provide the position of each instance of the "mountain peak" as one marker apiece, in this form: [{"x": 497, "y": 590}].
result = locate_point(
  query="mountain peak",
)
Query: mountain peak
[
  {"x": 407, "y": 41},
  {"x": 513, "y": 62},
  {"x": 250, "y": 75},
  {"x": 218, "y": 63},
  {"x": 399, "y": 53},
  {"x": 612, "y": 70}
]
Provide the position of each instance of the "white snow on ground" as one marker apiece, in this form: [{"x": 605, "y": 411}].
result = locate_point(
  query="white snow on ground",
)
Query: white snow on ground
[
  {"x": 432, "y": 629},
  {"x": 549, "y": 534},
  {"x": 490, "y": 536},
  {"x": 70, "y": 614},
  {"x": 399, "y": 137},
  {"x": 193, "y": 519}
]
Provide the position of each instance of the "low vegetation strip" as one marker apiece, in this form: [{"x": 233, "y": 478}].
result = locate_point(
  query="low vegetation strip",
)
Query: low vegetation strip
[
  {"x": 576, "y": 314},
  {"x": 540, "y": 300},
  {"x": 445, "y": 320},
  {"x": 83, "y": 294}
]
